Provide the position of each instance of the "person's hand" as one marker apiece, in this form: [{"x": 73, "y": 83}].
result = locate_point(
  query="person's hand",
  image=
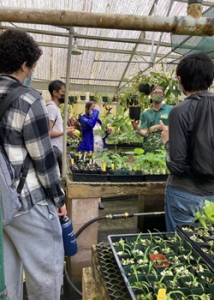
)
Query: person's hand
[
  {"x": 70, "y": 132},
  {"x": 97, "y": 107},
  {"x": 164, "y": 133},
  {"x": 155, "y": 128},
  {"x": 135, "y": 124},
  {"x": 109, "y": 129},
  {"x": 62, "y": 211}
]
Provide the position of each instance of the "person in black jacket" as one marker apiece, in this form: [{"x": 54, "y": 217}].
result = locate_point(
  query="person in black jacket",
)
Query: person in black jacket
[{"x": 185, "y": 191}]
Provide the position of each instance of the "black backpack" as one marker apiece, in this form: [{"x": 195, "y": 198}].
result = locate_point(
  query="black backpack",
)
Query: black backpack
[
  {"x": 202, "y": 139},
  {"x": 9, "y": 192}
]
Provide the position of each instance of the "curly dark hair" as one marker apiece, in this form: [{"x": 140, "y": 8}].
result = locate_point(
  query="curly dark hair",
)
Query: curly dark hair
[{"x": 16, "y": 47}]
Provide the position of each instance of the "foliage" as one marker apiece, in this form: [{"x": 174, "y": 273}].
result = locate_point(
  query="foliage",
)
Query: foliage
[
  {"x": 165, "y": 80},
  {"x": 131, "y": 97},
  {"x": 206, "y": 215},
  {"x": 153, "y": 142},
  {"x": 96, "y": 97},
  {"x": 150, "y": 163},
  {"x": 122, "y": 130}
]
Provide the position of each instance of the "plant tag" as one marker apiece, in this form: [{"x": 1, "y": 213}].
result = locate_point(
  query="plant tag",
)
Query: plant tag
[
  {"x": 112, "y": 166},
  {"x": 104, "y": 167},
  {"x": 161, "y": 294},
  {"x": 72, "y": 161}
]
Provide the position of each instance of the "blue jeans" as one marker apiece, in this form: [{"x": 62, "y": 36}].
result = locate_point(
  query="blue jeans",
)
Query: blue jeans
[{"x": 180, "y": 207}]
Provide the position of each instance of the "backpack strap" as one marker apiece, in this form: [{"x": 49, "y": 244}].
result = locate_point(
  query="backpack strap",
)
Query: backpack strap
[
  {"x": 8, "y": 100},
  {"x": 4, "y": 105}
]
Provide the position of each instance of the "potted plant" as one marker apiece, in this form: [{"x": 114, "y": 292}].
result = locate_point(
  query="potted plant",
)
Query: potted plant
[
  {"x": 130, "y": 98},
  {"x": 145, "y": 88},
  {"x": 94, "y": 97},
  {"x": 72, "y": 99},
  {"x": 83, "y": 97},
  {"x": 106, "y": 99}
]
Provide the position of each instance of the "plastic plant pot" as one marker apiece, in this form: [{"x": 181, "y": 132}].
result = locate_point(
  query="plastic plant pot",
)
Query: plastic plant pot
[
  {"x": 145, "y": 88},
  {"x": 159, "y": 260},
  {"x": 134, "y": 112},
  {"x": 206, "y": 278}
]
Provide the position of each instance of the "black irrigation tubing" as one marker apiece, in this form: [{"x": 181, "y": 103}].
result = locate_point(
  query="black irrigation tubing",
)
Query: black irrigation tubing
[
  {"x": 112, "y": 217},
  {"x": 71, "y": 283}
]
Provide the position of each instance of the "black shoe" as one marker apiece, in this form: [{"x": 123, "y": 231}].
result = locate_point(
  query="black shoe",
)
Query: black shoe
[{"x": 100, "y": 205}]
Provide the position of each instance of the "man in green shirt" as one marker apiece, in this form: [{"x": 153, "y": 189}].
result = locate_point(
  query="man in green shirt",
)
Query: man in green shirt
[{"x": 150, "y": 120}]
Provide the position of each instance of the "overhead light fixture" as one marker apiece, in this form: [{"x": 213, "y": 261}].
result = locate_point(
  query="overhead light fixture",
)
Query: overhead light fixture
[{"x": 75, "y": 50}]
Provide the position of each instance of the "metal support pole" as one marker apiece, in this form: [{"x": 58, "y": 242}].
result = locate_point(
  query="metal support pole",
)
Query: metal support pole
[
  {"x": 2, "y": 282},
  {"x": 64, "y": 163},
  {"x": 178, "y": 25},
  {"x": 195, "y": 8}
]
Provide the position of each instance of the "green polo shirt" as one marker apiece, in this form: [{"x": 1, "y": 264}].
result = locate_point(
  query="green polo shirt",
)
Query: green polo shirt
[{"x": 152, "y": 117}]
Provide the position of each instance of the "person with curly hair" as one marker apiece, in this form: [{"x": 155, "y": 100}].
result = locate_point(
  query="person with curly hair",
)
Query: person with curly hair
[{"x": 33, "y": 239}]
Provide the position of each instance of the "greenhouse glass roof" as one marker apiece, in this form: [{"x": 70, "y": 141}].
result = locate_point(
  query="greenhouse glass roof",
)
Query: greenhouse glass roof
[{"x": 109, "y": 56}]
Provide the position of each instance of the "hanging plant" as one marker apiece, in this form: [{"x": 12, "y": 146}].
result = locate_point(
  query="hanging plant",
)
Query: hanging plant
[{"x": 145, "y": 88}]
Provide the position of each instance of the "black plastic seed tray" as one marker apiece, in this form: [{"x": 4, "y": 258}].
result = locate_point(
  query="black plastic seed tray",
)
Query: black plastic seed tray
[
  {"x": 80, "y": 177},
  {"x": 132, "y": 250},
  {"x": 125, "y": 178},
  {"x": 155, "y": 177},
  {"x": 202, "y": 244}
]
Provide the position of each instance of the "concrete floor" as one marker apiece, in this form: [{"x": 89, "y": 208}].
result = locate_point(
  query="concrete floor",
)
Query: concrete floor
[{"x": 117, "y": 226}]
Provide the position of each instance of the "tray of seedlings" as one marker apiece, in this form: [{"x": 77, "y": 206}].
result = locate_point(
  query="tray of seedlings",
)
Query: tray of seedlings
[
  {"x": 201, "y": 239},
  {"x": 87, "y": 171},
  {"x": 156, "y": 262},
  {"x": 200, "y": 233},
  {"x": 155, "y": 177}
]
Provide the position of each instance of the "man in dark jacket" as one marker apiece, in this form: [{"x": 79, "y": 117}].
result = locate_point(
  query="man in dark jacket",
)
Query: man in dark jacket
[{"x": 185, "y": 191}]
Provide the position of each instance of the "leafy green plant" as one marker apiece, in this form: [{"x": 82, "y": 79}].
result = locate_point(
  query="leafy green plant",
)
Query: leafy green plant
[
  {"x": 119, "y": 161},
  {"x": 150, "y": 163},
  {"x": 161, "y": 78},
  {"x": 122, "y": 130},
  {"x": 144, "y": 287},
  {"x": 206, "y": 215}
]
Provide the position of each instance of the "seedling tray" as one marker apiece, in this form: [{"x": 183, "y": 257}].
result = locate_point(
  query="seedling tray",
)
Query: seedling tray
[
  {"x": 155, "y": 177},
  {"x": 130, "y": 262},
  {"x": 125, "y": 178},
  {"x": 78, "y": 177},
  {"x": 200, "y": 243}
]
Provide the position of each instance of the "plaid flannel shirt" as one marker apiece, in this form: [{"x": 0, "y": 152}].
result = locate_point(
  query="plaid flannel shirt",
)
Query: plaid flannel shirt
[{"x": 24, "y": 129}]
